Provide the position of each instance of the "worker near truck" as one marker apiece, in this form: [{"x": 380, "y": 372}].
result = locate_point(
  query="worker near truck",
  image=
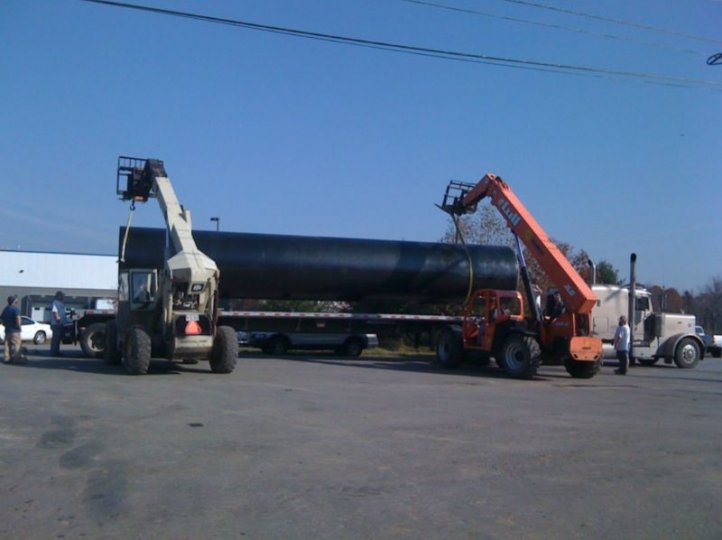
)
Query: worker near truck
[
  {"x": 58, "y": 319},
  {"x": 621, "y": 345},
  {"x": 11, "y": 320}
]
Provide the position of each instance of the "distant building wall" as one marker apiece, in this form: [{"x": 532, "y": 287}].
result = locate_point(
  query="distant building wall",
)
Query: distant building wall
[{"x": 38, "y": 275}]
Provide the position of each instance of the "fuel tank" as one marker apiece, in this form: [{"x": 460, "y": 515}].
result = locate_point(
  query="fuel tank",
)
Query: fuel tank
[{"x": 322, "y": 268}]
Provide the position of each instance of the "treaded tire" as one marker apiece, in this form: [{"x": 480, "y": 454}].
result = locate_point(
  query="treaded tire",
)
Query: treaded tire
[
  {"x": 112, "y": 355},
  {"x": 225, "y": 350},
  {"x": 277, "y": 346},
  {"x": 647, "y": 362},
  {"x": 137, "y": 351},
  {"x": 520, "y": 356},
  {"x": 582, "y": 370},
  {"x": 92, "y": 340},
  {"x": 353, "y": 347},
  {"x": 687, "y": 354},
  {"x": 449, "y": 350},
  {"x": 39, "y": 337}
]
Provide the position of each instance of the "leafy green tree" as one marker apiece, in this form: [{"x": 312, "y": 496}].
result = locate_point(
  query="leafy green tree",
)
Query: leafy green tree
[{"x": 607, "y": 274}]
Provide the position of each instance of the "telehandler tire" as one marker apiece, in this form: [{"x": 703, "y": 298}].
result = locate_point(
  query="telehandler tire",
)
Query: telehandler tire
[
  {"x": 112, "y": 353},
  {"x": 225, "y": 350},
  {"x": 449, "y": 350},
  {"x": 136, "y": 358},
  {"x": 520, "y": 356},
  {"x": 582, "y": 370}
]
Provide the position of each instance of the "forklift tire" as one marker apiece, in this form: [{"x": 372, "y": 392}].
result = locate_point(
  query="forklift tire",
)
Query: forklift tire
[
  {"x": 92, "y": 340},
  {"x": 449, "y": 350},
  {"x": 225, "y": 350},
  {"x": 687, "y": 354},
  {"x": 582, "y": 370},
  {"x": 137, "y": 351},
  {"x": 520, "y": 356},
  {"x": 112, "y": 354}
]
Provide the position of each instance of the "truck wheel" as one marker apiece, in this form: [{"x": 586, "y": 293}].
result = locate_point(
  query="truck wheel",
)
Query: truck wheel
[
  {"x": 520, "y": 356},
  {"x": 449, "y": 350},
  {"x": 582, "y": 370},
  {"x": 278, "y": 345},
  {"x": 353, "y": 347},
  {"x": 39, "y": 338},
  {"x": 111, "y": 354},
  {"x": 225, "y": 350},
  {"x": 137, "y": 351},
  {"x": 92, "y": 340},
  {"x": 687, "y": 354},
  {"x": 647, "y": 361}
]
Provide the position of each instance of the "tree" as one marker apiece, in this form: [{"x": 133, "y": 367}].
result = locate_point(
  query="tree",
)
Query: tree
[
  {"x": 607, "y": 274},
  {"x": 709, "y": 306}
]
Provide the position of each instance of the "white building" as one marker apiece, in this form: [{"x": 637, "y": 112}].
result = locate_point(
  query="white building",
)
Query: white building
[{"x": 36, "y": 276}]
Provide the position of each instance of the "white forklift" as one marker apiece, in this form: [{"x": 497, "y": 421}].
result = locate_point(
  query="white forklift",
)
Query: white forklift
[{"x": 170, "y": 313}]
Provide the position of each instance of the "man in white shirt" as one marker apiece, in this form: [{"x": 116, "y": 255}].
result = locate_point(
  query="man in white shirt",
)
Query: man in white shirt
[{"x": 621, "y": 345}]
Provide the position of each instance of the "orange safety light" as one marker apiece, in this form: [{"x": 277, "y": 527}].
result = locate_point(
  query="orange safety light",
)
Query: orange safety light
[{"x": 193, "y": 328}]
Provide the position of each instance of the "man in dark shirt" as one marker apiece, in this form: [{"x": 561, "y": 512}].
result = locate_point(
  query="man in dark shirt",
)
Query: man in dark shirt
[{"x": 10, "y": 318}]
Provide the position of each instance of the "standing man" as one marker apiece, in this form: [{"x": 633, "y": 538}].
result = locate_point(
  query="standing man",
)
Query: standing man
[
  {"x": 621, "y": 345},
  {"x": 11, "y": 320},
  {"x": 58, "y": 319}
]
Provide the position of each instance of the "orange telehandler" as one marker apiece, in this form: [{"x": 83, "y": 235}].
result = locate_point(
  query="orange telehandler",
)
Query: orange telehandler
[{"x": 495, "y": 324}]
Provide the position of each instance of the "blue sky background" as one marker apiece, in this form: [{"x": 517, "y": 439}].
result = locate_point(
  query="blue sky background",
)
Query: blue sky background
[{"x": 277, "y": 134}]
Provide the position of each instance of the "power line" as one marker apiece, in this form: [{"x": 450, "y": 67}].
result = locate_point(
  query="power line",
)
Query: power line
[
  {"x": 553, "y": 26},
  {"x": 611, "y": 20},
  {"x": 715, "y": 59},
  {"x": 423, "y": 51}
]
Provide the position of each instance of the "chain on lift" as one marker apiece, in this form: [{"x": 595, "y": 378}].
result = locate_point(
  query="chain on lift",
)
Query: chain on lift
[{"x": 127, "y": 230}]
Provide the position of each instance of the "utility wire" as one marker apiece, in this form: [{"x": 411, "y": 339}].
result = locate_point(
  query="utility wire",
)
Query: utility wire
[
  {"x": 424, "y": 51},
  {"x": 611, "y": 20},
  {"x": 553, "y": 26},
  {"x": 715, "y": 59}
]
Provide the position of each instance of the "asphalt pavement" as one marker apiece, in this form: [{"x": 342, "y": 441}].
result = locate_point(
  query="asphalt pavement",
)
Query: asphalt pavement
[{"x": 318, "y": 446}]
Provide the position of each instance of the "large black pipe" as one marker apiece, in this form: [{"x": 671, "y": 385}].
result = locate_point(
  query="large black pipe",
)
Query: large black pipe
[{"x": 318, "y": 268}]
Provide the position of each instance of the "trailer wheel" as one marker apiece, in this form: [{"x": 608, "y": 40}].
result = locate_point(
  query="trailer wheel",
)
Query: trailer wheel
[
  {"x": 111, "y": 354},
  {"x": 449, "y": 350},
  {"x": 687, "y": 354},
  {"x": 39, "y": 338},
  {"x": 225, "y": 350},
  {"x": 278, "y": 345},
  {"x": 92, "y": 340},
  {"x": 520, "y": 356},
  {"x": 137, "y": 351},
  {"x": 353, "y": 347},
  {"x": 582, "y": 370},
  {"x": 647, "y": 361}
]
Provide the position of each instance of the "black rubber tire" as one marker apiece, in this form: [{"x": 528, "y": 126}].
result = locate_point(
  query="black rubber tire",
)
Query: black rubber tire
[
  {"x": 353, "y": 347},
  {"x": 112, "y": 354},
  {"x": 582, "y": 370},
  {"x": 449, "y": 350},
  {"x": 136, "y": 357},
  {"x": 92, "y": 340},
  {"x": 40, "y": 337},
  {"x": 278, "y": 345},
  {"x": 480, "y": 358},
  {"x": 520, "y": 356},
  {"x": 225, "y": 350},
  {"x": 687, "y": 354},
  {"x": 647, "y": 361}
]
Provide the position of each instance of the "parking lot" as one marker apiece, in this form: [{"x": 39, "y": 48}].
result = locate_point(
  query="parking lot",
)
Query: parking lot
[{"x": 316, "y": 446}]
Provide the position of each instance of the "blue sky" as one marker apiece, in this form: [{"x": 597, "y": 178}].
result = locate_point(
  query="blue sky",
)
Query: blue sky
[{"x": 277, "y": 134}]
